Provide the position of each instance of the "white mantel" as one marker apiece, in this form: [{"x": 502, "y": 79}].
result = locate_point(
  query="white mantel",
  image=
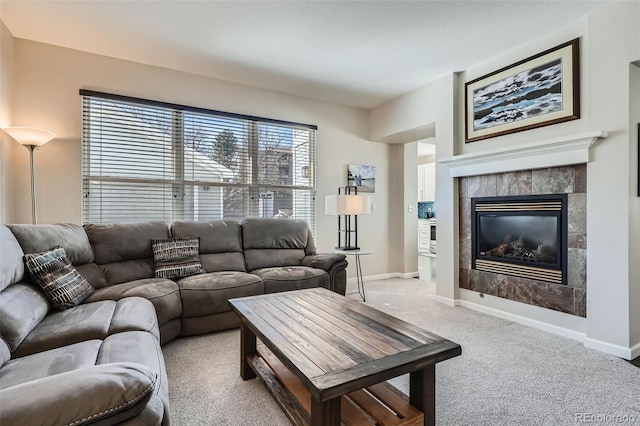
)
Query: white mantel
[{"x": 562, "y": 151}]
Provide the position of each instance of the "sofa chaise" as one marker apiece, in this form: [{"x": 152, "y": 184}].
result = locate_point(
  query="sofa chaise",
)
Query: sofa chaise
[{"x": 100, "y": 361}]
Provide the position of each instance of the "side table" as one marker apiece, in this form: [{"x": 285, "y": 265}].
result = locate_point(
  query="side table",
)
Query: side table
[{"x": 357, "y": 253}]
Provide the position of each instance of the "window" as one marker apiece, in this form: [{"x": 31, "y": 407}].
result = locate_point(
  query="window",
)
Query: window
[{"x": 146, "y": 160}]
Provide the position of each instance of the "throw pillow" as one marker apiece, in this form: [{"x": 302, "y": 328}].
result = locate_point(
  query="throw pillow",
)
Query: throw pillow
[
  {"x": 60, "y": 282},
  {"x": 177, "y": 257}
]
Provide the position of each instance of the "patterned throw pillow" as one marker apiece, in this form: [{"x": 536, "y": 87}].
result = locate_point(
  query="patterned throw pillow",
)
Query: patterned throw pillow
[
  {"x": 177, "y": 257},
  {"x": 60, "y": 282}
]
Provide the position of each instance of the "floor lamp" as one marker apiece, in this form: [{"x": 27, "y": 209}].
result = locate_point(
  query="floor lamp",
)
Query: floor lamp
[
  {"x": 347, "y": 205},
  {"x": 31, "y": 139}
]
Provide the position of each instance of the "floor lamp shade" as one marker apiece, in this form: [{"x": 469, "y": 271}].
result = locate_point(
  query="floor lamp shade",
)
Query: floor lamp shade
[
  {"x": 29, "y": 136},
  {"x": 347, "y": 207},
  {"x": 31, "y": 139}
]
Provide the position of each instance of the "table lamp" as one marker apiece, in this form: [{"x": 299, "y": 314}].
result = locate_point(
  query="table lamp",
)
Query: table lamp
[{"x": 347, "y": 205}]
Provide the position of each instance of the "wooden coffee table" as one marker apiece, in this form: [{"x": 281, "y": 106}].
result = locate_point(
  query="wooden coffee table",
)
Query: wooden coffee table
[{"x": 325, "y": 359}]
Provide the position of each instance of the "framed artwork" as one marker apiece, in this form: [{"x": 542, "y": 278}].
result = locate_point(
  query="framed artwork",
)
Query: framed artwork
[
  {"x": 364, "y": 177},
  {"x": 541, "y": 90}
]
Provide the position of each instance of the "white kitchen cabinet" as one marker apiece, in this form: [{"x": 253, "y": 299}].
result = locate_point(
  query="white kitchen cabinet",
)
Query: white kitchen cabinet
[
  {"x": 424, "y": 230},
  {"x": 427, "y": 182}
]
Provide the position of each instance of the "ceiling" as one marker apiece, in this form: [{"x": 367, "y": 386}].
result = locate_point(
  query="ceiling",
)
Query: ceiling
[{"x": 358, "y": 53}]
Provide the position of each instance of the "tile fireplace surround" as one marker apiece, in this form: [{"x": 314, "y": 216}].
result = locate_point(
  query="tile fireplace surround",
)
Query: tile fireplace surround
[
  {"x": 556, "y": 166},
  {"x": 570, "y": 180}
]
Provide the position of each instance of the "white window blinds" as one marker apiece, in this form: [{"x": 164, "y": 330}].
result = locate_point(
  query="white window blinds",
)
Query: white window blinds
[{"x": 146, "y": 160}]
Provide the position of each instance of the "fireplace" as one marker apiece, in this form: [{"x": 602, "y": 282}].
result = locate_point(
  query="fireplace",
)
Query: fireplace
[{"x": 522, "y": 236}]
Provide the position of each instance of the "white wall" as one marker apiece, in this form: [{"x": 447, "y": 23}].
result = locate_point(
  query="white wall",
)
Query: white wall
[
  {"x": 7, "y": 144},
  {"x": 541, "y": 42},
  {"x": 634, "y": 207},
  {"x": 410, "y": 228},
  {"x": 608, "y": 174},
  {"x": 613, "y": 278},
  {"x": 46, "y": 95},
  {"x": 432, "y": 103}
]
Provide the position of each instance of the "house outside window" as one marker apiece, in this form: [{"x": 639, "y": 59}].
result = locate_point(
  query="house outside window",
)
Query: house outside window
[{"x": 146, "y": 160}]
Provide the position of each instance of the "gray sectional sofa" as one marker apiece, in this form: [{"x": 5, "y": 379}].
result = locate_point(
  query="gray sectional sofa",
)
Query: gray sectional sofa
[{"x": 101, "y": 361}]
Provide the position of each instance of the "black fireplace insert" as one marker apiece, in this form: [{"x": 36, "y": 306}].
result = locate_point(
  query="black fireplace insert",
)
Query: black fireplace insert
[{"x": 523, "y": 236}]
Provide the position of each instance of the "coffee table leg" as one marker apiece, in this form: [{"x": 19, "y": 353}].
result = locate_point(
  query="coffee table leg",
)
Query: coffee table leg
[
  {"x": 247, "y": 348},
  {"x": 325, "y": 413},
  {"x": 422, "y": 393}
]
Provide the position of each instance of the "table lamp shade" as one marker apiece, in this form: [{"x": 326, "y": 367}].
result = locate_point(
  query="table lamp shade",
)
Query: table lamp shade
[
  {"x": 339, "y": 205},
  {"x": 29, "y": 136}
]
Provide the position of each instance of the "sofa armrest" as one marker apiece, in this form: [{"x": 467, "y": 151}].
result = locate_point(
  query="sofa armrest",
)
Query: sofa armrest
[
  {"x": 101, "y": 394},
  {"x": 334, "y": 264}
]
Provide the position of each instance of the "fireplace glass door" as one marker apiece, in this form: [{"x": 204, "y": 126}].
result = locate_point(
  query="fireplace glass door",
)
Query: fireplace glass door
[{"x": 521, "y": 236}]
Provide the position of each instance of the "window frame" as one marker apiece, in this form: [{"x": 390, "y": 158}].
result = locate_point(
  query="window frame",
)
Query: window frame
[{"x": 179, "y": 182}]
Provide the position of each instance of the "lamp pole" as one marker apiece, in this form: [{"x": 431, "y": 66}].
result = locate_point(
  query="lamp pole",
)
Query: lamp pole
[{"x": 34, "y": 218}]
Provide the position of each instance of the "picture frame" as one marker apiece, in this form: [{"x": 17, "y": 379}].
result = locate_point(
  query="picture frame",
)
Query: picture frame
[
  {"x": 362, "y": 177},
  {"x": 540, "y": 90}
]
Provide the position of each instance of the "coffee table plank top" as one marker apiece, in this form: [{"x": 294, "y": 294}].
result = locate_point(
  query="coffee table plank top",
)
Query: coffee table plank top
[{"x": 336, "y": 345}]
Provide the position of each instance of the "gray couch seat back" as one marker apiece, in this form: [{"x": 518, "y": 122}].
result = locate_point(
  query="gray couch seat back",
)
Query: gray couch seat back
[
  {"x": 123, "y": 251},
  {"x": 37, "y": 238},
  {"x": 220, "y": 243},
  {"x": 275, "y": 242}
]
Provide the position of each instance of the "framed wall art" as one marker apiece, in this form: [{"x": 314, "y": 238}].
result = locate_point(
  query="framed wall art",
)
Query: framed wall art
[
  {"x": 364, "y": 177},
  {"x": 538, "y": 91}
]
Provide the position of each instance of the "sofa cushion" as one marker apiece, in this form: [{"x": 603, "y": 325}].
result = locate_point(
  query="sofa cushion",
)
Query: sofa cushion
[
  {"x": 92, "y": 274},
  {"x": 123, "y": 251},
  {"x": 140, "y": 348},
  {"x": 274, "y": 242},
  {"x": 209, "y": 293},
  {"x": 61, "y": 284},
  {"x": 22, "y": 307},
  {"x": 220, "y": 243},
  {"x": 84, "y": 322},
  {"x": 216, "y": 262},
  {"x": 219, "y": 236},
  {"x": 128, "y": 270},
  {"x": 36, "y": 238},
  {"x": 126, "y": 241},
  {"x": 292, "y": 278},
  {"x": 100, "y": 394},
  {"x": 11, "y": 265},
  {"x": 162, "y": 293},
  {"x": 90, "y": 321},
  {"x": 49, "y": 363},
  {"x": 5, "y": 354},
  {"x": 274, "y": 234},
  {"x": 134, "y": 313},
  {"x": 176, "y": 257},
  {"x": 264, "y": 258}
]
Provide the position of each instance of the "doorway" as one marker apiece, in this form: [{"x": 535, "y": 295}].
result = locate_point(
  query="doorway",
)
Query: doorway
[{"x": 427, "y": 222}]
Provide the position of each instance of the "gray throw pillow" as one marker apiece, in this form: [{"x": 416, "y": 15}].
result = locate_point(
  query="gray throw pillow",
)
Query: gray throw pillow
[
  {"x": 60, "y": 282},
  {"x": 177, "y": 257}
]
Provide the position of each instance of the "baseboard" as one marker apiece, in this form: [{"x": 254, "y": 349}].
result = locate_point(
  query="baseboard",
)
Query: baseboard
[
  {"x": 447, "y": 301},
  {"x": 635, "y": 351},
  {"x": 561, "y": 331},
  {"x": 599, "y": 345},
  {"x": 610, "y": 348},
  {"x": 384, "y": 276}
]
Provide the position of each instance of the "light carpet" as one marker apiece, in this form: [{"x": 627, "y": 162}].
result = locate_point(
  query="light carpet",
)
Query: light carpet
[{"x": 508, "y": 374}]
